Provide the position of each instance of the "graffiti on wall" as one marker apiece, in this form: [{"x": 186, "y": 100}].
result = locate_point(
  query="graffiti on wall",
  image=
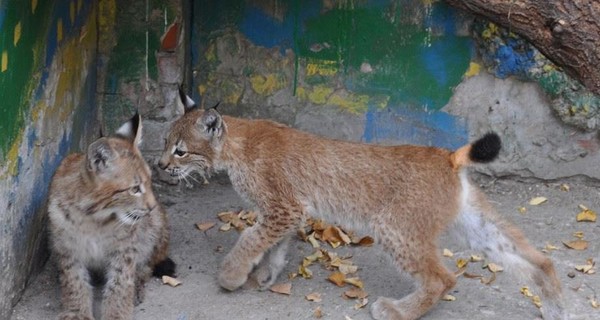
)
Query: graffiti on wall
[{"x": 394, "y": 62}]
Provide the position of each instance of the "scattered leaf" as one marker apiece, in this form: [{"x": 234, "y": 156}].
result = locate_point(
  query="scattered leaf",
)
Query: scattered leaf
[
  {"x": 447, "y": 253},
  {"x": 225, "y": 227},
  {"x": 305, "y": 272},
  {"x": 595, "y": 304},
  {"x": 203, "y": 226},
  {"x": 578, "y": 234},
  {"x": 525, "y": 291},
  {"x": 522, "y": 210},
  {"x": 461, "y": 263},
  {"x": 361, "y": 303},
  {"x": 489, "y": 280},
  {"x": 550, "y": 247},
  {"x": 315, "y": 297},
  {"x": 537, "y": 301},
  {"x": 476, "y": 258},
  {"x": 576, "y": 244},
  {"x": 347, "y": 269},
  {"x": 472, "y": 276},
  {"x": 587, "y": 268},
  {"x": 364, "y": 242},
  {"x": 313, "y": 241},
  {"x": 537, "y": 201},
  {"x": 170, "y": 281},
  {"x": 494, "y": 267},
  {"x": 337, "y": 278},
  {"x": 355, "y": 293},
  {"x": 355, "y": 281},
  {"x": 318, "y": 313},
  {"x": 449, "y": 297},
  {"x": 565, "y": 187},
  {"x": 282, "y": 288},
  {"x": 586, "y": 215}
]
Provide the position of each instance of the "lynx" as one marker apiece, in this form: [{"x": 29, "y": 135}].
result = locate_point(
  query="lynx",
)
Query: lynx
[
  {"x": 405, "y": 196},
  {"x": 106, "y": 227}
]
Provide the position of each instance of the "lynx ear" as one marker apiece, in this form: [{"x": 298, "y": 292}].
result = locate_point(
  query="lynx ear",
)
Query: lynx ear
[
  {"x": 132, "y": 130},
  {"x": 99, "y": 155},
  {"x": 211, "y": 123},
  {"x": 188, "y": 103}
]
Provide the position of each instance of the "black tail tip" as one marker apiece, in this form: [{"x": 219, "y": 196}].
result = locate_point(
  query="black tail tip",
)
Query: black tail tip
[
  {"x": 164, "y": 268},
  {"x": 486, "y": 149}
]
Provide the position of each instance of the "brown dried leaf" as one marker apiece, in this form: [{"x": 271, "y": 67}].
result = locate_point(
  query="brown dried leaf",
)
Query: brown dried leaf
[
  {"x": 345, "y": 238},
  {"x": 489, "y": 280},
  {"x": 588, "y": 268},
  {"x": 525, "y": 291},
  {"x": 494, "y": 267},
  {"x": 354, "y": 293},
  {"x": 170, "y": 281},
  {"x": 537, "y": 201},
  {"x": 282, "y": 288},
  {"x": 586, "y": 215},
  {"x": 313, "y": 242},
  {"x": 315, "y": 297},
  {"x": 355, "y": 281},
  {"x": 337, "y": 278},
  {"x": 361, "y": 303},
  {"x": 578, "y": 234},
  {"x": 576, "y": 244},
  {"x": 225, "y": 227},
  {"x": 364, "y": 242},
  {"x": 305, "y": 272},
  {"x": 475, "y": 258},
  {"x": 203, "y": 226},
  {"x": 472, "y": 276},
  {"x": 595, "y": 304},
  {"x": 225, "y": 216},
  {"x": 537, "y": 301},
  {"x": 347, "y": 268},
  {"x": 565, "y": 187},
  {"x": 461, "y": 263},
  {"x": 318, "y": 313},
  {"x": 449, "y": 297},
  {"x": 447, "y": 253}
]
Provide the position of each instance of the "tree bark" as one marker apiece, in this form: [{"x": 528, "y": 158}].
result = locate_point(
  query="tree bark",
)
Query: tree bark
[{"x": 566, "y": 31}]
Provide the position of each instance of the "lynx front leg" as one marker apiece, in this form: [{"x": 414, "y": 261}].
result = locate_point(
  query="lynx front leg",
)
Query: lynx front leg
[
  {"x": 76, "y": 291},
  {"x": 269, "y": 268},
  {"x": 255, "y": 241},
  {"x": 119, "y": 290}
]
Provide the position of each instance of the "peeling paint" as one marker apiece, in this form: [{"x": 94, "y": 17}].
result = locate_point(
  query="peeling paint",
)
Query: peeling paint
[
  {"x": 319, "y": 94},
  {"x": 267, "y": 84},
  {"x": 354, "y": 103}
]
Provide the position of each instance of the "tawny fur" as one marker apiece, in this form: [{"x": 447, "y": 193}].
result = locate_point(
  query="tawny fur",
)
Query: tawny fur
[
  {"x": 406, "y": 196},
  {"x": 105, "y": 220}
]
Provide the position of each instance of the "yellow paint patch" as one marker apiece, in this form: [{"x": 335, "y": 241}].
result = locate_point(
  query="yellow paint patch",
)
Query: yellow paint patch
[
  {"x": 17, "y": 34},
  {"x": 352, "y": 102},
  {"x": 320, "y": 94},
  {"x": 4, "y": 61},
  {"x": 12, "y": 158},
  {"x": 266, "y": 85},
  {"x": 72, "y": 11},
  {"x": 202, "y": 89},
  {"x": 33, "y": 5},
  {"x": 59, "y": 30},
  {"x": 301, "y": 93},
  {"x": 474, "y": 69},
  {"x": 324, "y": 68}
]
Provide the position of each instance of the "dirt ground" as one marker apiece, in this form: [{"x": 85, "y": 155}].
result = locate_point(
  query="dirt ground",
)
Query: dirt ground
[{"x": 199, "y": 253}]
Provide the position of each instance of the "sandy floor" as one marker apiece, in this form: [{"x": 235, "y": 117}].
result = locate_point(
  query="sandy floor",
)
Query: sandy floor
[{"x": 198, "y": 255}]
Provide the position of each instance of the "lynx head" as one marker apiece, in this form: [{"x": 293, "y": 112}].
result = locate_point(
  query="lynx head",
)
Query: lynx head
[
  {"x": 194, "y": 141},
  {"x": 122, "y": 189}
]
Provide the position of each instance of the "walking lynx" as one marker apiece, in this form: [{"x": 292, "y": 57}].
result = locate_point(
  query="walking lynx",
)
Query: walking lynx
[
  {"x": 106, "y": 225},
  {"x": 405, "y": 196}
]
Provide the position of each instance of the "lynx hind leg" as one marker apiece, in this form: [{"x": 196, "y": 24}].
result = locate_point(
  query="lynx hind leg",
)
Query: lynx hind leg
[
  {"x": 418, "y": 256},
  {"x": 119, "y": 291},
  {"x": 281, "y": 221},
  {"x": 506, "y": 245},
  {"x": 266, "y": 272},
  {"x": 76, "y": 291}
]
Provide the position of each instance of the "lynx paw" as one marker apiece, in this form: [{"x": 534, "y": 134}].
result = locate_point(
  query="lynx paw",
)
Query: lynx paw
[
  {"x": 70, "y": 315},
  {"x": 232, "y": 276},
  {"x": 264, "y": 276},
  {"x": 384, "y": 309}
]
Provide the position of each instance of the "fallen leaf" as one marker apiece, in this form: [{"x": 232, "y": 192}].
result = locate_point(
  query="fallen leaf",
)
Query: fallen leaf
[
  {"x": 315, "y": 297},
  {"x": 364, "y": 242},
  {"x": 489, "y": 280},
  {"x": 595, "y": 304},
  {"x": 588, "y": 268},
  {"x": 461, "y": 263},
  {"x": 576, "y": 244},
  {"x": 313, "y": 242},
  {"x": 578, "y": 234},
  {"x": 203, "y": 226},
  {"x": 318, "y": 313},
  {"x": 347, "y": 269},
  {"x": 449, "y": 297},
  {"x": 355, "y": 281},
  {"x": 355, "y": 293},
  {"x": 537, "y": 201},
  {"x": 522, "y": 210},
  {"x": 494, "y": 267},
  {"x": 472, "y": 276},
  {"x": 170, "y": 281},
  {"x": 225, "y": 216},
  {"x": 525, "y": 291},
  {"x": 225, "y": 227},
  {"x": 282, "y": 288},
  {"x": 537, "y": 301},
  {"x": 361, "y": 303},
  {"x": 337, "y": 278},
  {"x": 565, "y": 187},
  {"x": 447, "y": 253},
  {"x": 550, "y": 247},
  {"x": 586, "y": 215},
  {"x": 476, "y": 258},
  {"x": 305, "y": 272}
]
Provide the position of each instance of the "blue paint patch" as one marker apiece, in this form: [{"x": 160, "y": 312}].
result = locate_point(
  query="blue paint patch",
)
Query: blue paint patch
[
  {"x": 2, "y": 14},
  {"x": 404, "y": 124},
  {"x": 513, "y": 61}
]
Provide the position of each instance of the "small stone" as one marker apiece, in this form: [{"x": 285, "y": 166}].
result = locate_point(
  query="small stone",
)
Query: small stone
[{"x": 571, "y": 274}]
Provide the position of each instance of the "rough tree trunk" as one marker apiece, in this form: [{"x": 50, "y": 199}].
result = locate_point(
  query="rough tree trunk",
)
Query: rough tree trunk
[{"x": 566, "y": 31}]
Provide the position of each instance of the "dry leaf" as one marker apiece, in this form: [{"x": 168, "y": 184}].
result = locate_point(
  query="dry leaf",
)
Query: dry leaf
[
  {"x": 494, "y": 267},
  {"x": 347, "y": 269},
  {"x": 305, "y": 272},
  {"x": 576, "y": 244},
  {"x": 522, "y": 210},
  {"x": 449, "y": 297},
  {"x": 461, "y": 263},
  {"x": 489, "y": 280},
  {"x": 354, "y": 293},
  {"x": 537, "y": 201},
  {"x": 447, "y": 253},
  {"x": 225, "y": 227},
  {"x": 282, "y": 288},
  {"x": 476, "y": 258},
  {"x": 550, "y": 247},
  {"x": 537, "y": 301},
  {"x": 525, "y": 291},
  {"x": 587, "y": 268},
  {"x": 318, "y": 313},
  {"x": 565, "y": 187},
  {"x": 578, "y": 234},
  {"x": 364, "y": 242},
  {"x": 313, "y": 242},
  {"x": 472, "y": 276},
  {"x": 203, "y": 226},
  {"x": 225, "y": 216},
  {"x": 595, "y": 304},
  {"x": 170, "y": 281},
  {"x": 586, "y": 215},
  {"x": 337, "y": 278},
  {"x": 355, "y": 281},
  {"x": 361, "y": 303},
  {"x": 315, "y": 296}
]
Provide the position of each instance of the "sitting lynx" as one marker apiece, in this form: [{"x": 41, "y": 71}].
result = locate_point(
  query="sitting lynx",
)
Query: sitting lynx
[
  {"x": 406, "y": 196},
  {"x": 106, "y": 226}
]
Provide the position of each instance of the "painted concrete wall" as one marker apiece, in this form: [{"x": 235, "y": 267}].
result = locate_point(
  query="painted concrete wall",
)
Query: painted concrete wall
[{"x": 47, "y": 94}]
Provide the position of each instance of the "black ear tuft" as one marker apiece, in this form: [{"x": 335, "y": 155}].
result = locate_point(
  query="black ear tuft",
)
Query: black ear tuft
[
  {"x": 486, "y": 148},
  {"x": 164, "y": 268},
  {"x": 131, "y": 130},
  {"x": 188, "y": 103}
]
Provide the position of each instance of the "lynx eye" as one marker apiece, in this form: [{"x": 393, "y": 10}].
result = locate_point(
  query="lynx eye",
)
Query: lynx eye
[
  {"x": 179, "y": 153},
  {"x": 135, "y": 190}
]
